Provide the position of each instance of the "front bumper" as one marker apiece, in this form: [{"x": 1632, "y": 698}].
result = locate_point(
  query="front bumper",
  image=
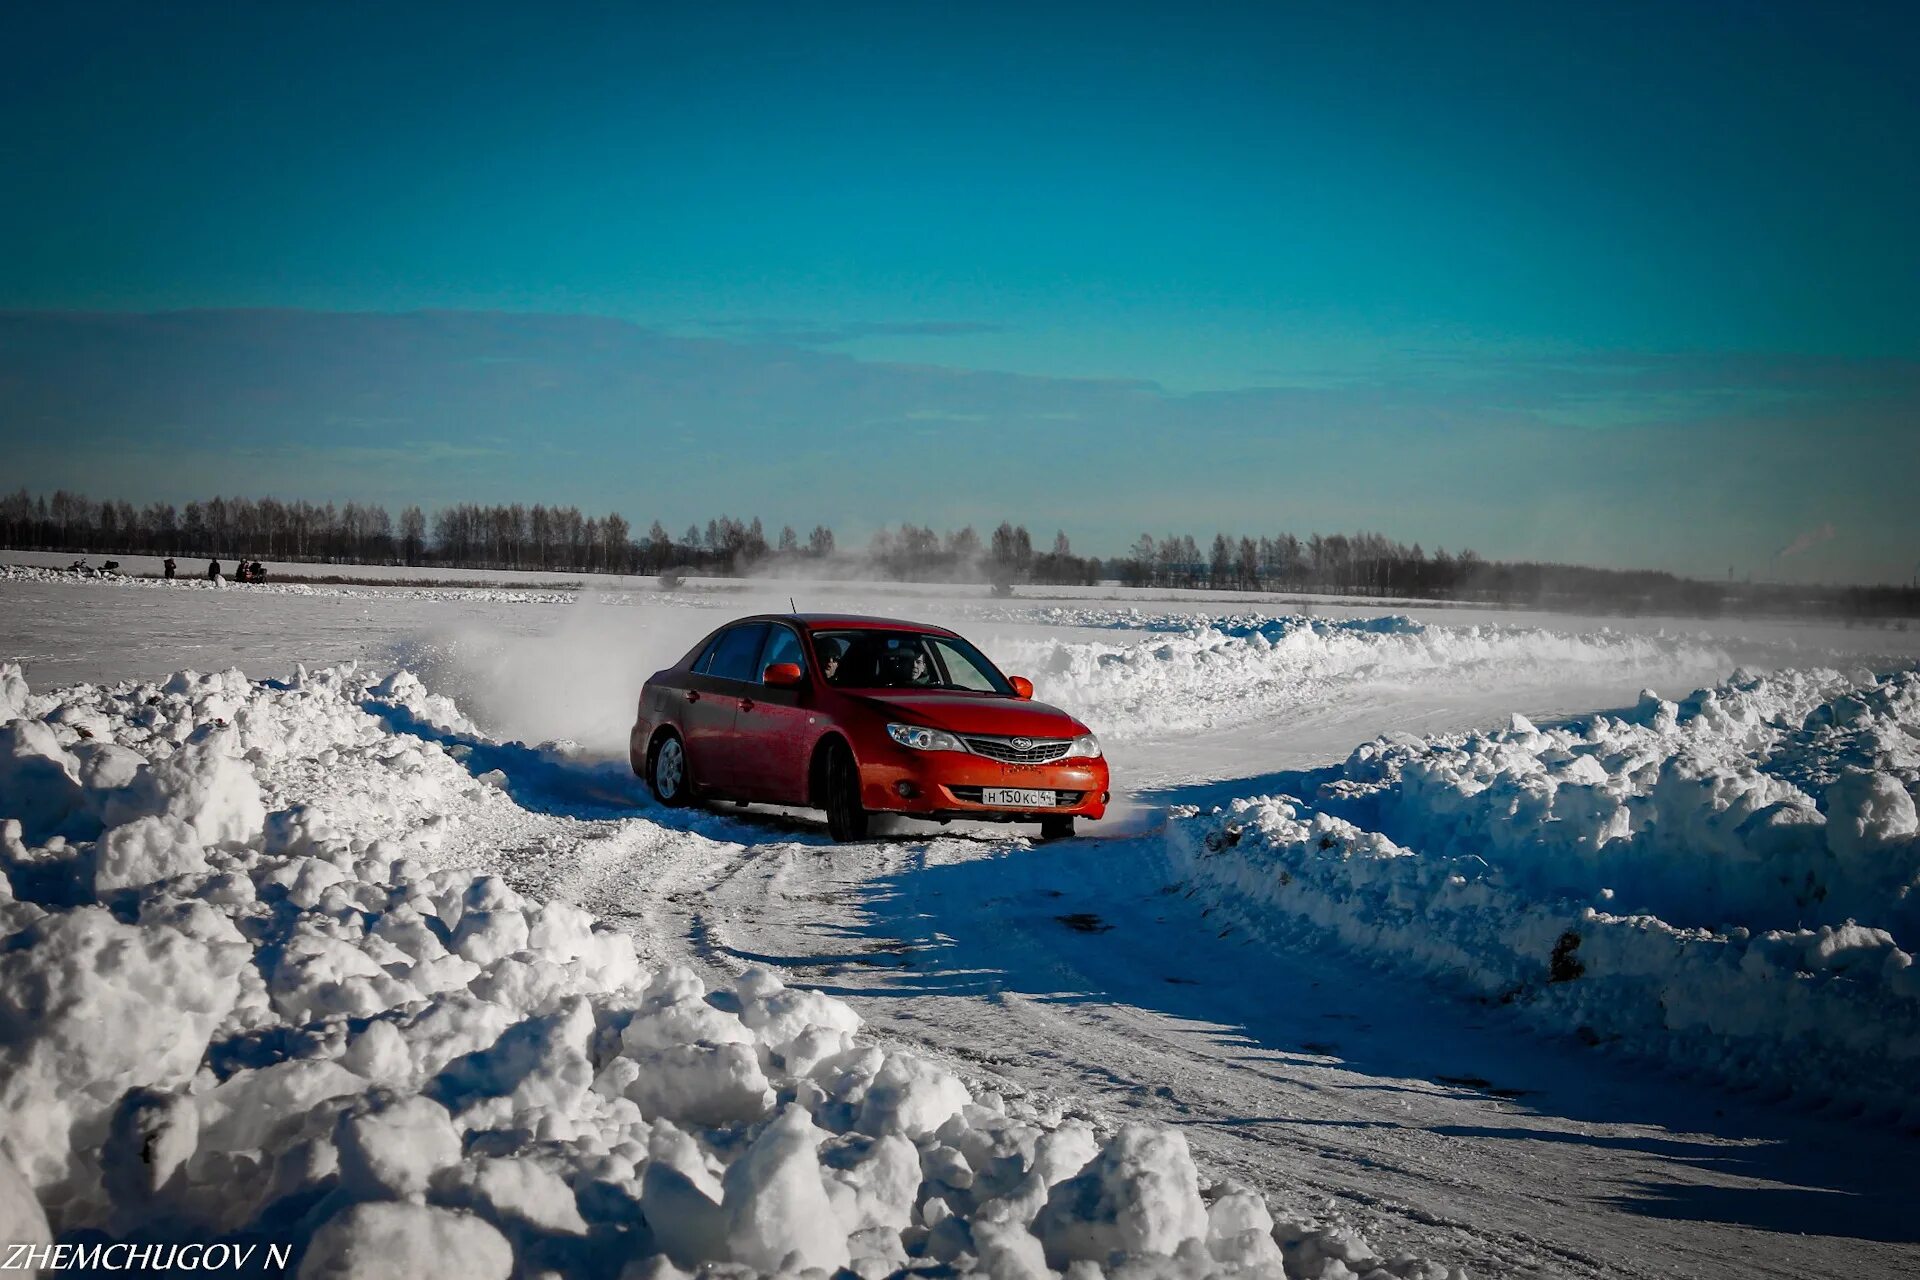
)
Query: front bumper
[{"x": 947, "y": 784}]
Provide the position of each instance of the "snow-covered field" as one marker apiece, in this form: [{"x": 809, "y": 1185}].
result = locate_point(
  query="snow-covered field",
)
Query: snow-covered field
[{"x": 326, "y": 956}]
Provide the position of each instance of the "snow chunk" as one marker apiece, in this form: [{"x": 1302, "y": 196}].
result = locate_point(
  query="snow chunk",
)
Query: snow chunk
[
  {"x": 40, "y": 780},
  {"x": 13, "y": 692},
  {"x": 406, "y": 1242},
  {"x": 524, "y": 1191},
  {"x": 1867, "y": 812},
  {"x": 204, "y": 785},
  {"x": 394, "y": 1146},
  {"x": 911, "y": 1096},
  {"x": 1141, "y": 1194},
  {"x": 22, "y": 1221},
  {"x": 144, "y": 851},
  {"x": 779, "y": 1216},
  {"x": 66, "y": 977}
]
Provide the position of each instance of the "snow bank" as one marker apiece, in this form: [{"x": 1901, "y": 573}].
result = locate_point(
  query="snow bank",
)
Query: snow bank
[
  {"x": 238, "y": 998},
  {"x": 1728, "y": 882},
  {"x": 1230, "y": 670}
]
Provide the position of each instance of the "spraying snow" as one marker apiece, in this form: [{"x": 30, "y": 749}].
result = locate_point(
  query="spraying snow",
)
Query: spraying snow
[{"x": 1225, "y": 673}]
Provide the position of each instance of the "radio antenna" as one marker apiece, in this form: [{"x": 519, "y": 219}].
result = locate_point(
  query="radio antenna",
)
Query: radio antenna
[{"x": 794, "y": 607}]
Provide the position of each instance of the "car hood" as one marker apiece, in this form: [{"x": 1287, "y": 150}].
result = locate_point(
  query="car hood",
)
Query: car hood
[{"x": 971, "y": 713}]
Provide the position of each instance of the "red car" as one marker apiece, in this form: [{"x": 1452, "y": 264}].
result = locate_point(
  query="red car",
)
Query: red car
[{"x": 859, "y": 716}]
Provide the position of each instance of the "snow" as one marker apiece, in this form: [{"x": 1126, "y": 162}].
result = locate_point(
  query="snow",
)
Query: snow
[
  {"x": 388, "y": 1241},
  {"x": 431, "y": 918},
  {"x": 1139, "y": 1195},
  {"x": 321, "y": 1031},
  {"x": 1212, "y": 673},
  {"x": 22, "y": 1222},
  {"x": 15, "y": 573},
  {"x": 1653, "y": 879}
]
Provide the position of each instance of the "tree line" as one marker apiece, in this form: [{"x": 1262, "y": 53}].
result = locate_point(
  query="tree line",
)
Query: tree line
[
  {"x": 565, "y": 540},
  {"x": 1370, "y": 564},
  {"x": 513, "y": 536}
]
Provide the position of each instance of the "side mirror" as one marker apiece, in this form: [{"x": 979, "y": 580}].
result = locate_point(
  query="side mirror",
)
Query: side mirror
[
  {"x": 1022, "y": 687},
  {"x": 782, "y": 675}
]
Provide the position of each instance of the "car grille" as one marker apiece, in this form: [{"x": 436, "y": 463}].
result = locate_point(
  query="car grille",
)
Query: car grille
[
  {"x": 1037, "y": 750},
  {"x": 1061, "y": 799}
]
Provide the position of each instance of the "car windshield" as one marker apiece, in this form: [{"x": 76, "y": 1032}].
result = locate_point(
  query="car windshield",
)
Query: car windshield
[{"x": 905, "y": 660}]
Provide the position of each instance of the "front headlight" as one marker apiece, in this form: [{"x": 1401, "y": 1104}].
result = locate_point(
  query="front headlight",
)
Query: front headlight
[
  {"x": 1085, "y": 747},
  {"x": 922, "y": 739}
]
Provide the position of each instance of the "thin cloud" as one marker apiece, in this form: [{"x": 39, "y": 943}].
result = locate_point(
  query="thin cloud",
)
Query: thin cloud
[
  {"x": 1806, "y": 541},
  {"x": 805, "y": 334}
]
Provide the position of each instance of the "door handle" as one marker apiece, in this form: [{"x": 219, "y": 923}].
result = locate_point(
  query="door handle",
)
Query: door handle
[
  {"x": 746, "y": 704},
  {"x": 693, "y": 695}
]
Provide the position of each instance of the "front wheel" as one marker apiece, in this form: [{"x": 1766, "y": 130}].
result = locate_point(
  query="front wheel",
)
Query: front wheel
[
  {"x": 1059, "y": 828},
  {"x": 667, "y": 773},
  {"x": 846, "y": 817}
]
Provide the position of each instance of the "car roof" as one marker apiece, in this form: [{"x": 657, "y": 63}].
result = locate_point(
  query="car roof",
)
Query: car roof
[{"x": 849, "y": 622}]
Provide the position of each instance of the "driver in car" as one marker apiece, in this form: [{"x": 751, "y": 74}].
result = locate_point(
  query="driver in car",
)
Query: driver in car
[{"x": 830, "y": 650}]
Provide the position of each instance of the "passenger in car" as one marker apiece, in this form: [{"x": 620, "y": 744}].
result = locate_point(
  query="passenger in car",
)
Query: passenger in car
[{"x": 898, "y": 669}]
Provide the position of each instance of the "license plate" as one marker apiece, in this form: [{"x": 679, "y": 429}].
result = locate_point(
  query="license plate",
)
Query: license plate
[{"x": 1017, "y": 797}]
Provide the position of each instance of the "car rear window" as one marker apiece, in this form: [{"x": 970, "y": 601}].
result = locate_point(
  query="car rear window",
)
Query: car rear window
[
  {"x": 782, "y": 646},
  {"x": 736, "y": 656}
]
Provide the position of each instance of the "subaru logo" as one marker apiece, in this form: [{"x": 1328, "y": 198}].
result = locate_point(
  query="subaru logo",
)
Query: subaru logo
[{"x": 1021, "y": 744}]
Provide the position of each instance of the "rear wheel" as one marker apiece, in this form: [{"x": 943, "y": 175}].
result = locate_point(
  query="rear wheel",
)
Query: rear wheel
[
  {"x": 1056, "y": 828},
  {"x": 667, "y": 772},
  {"x": 846, "y": 818}
]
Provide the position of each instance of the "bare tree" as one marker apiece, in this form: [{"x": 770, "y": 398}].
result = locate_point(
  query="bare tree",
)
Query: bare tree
[{"x": 413, "y": 535}]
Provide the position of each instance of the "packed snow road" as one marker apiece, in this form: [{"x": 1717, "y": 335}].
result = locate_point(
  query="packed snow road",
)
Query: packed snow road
[{"x": 1113, "y": 979}]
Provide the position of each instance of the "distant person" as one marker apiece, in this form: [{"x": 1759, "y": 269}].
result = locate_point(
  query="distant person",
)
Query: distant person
[
  {"x": 213, "y": 570},
  {"x": 256, "y": 572},
  {"x": 830, "y": 650},
  {"x": 169, "y": 566}
]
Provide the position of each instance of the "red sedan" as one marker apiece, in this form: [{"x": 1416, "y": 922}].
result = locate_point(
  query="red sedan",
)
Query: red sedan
[{"x": 859, "y": 716}]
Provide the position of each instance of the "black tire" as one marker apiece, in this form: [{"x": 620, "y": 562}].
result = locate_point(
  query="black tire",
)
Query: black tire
[
  {"x": 668, "y": 774},
  {"x": 846, "y": 818},
  {"x": 1060, "y": 828}
]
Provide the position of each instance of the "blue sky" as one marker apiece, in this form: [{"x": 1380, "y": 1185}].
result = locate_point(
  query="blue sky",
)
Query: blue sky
[{"x": 1622, "y": 284}]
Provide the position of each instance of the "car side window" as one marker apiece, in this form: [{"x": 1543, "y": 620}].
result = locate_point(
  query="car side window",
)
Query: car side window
[
  {"x": 734, "y": 658},
  {"x": 962, "y": 671},
  {"x": 705, "y": 660},
  {"x": 782, "y": 646}
]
